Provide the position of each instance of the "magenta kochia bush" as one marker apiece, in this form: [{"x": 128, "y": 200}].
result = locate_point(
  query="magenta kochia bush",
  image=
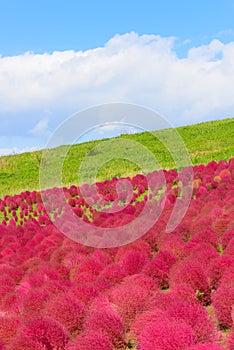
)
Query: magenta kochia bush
[
  {"x": 90, "y": 340},
  {"x": 32, "y": 301},
  {"x": 203, "y": 252},
  {"x": 231, "y": 340},
  {"x": 222, "y": 301},
  {"x": 84, "y": 293},
  {"x": 217, "y": 268},
  {"x": 145, "y": 318},
  {"x": 196, "y": 316},
  {"x": 112, "y": 274},
  {"x": 45, "y": 331},
  {"x": 159, "y": 271},
  {"x": 167, "y": 335},
  {"x": 68, "y": 311},
  {"x": 191, "y": 272},
  {"x": 134, "y": 261},
  {"x": 23, "y": 342},
  {"x": 8, "y": 327},
  {"x": 129, "y": 299},
  {"x": 143, "y": 281},
  {"x": 104, "y": 319}
]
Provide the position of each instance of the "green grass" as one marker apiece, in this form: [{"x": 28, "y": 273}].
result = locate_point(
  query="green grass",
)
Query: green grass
[{"x": 205, "y": 142}]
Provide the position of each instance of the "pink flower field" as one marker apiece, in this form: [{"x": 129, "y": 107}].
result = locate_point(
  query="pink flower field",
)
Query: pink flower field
[{"x": 163, "y": 291}]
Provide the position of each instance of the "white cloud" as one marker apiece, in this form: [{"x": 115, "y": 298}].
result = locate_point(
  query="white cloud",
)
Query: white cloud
[
  {"x": 16, "y": 150},
  {"x": 129, "y": 68},
  {"x": 41, "y": 129}
]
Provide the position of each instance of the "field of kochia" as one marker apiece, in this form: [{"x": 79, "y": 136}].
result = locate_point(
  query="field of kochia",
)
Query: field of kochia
[{"x": 164, "y": 291}]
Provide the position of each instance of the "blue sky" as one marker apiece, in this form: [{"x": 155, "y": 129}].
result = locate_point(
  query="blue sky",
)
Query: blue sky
[{"x": 59, "y": 57}]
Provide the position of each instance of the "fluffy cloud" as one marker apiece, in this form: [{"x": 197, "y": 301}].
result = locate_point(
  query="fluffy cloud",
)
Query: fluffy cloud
[
  {"x": 15, "y": 150},
  {"x": 41, "y": 129},
  {"x": 130, "y": 68}
]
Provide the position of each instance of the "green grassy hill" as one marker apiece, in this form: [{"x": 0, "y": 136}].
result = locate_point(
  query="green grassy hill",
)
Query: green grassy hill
[{"x": 204, "y": 142}]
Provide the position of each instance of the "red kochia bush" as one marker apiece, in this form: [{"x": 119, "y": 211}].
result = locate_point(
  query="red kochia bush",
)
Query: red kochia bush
[
  {"x": 112, "y": 274},
  {"x": 143, "y": 281},
  {"x": 167, "y": 335},
  {"x": 217, "y": 268},
  {"x": 197, "y": 317},
  {"x": 46, "y": 331},
  {"x": 231, "y": 340},
  {"x": 145, "y": 318},
  {"x": 84, "y": 293},
  {"x": 134, "y": 261},
  {"x": 158, "y": 270},
  {"x": 129, "y": 299},
  {"x": 90, "y": 340},
  {"x": 68, "y": 311},
  {"x": 227, "y": 236},
  {"x": 104, "y": 319},
  {"x": 161, "y": 300},
  {"x": 32, "y": 301},
  {"x": 24, "y": 343},
  {"x": 8, "y": 328},
  {"x": 191, "y": 273},
  {"x": 201, "y": 251},
  {"x": 222, "y": 302}
]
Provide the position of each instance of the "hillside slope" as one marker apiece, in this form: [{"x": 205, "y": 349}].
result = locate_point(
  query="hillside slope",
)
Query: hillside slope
[{"x": 205, "y": 142}]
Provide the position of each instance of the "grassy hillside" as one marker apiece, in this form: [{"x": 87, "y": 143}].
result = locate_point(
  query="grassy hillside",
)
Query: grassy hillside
[{"x": 204, "y": 141}]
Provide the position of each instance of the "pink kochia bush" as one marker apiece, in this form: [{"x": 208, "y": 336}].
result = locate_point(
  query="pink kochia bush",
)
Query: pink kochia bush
[
  {"x": 24, "y": 342},
  {"x": 104, "y": 319},
  {"x": 8, "y": 327},
  {"x": 223, "y": 301},
  {"x": 90, "y": 340},
  {"x": 231, "y": 340},
  {"x": 129, "y": 300},
  {"x": 167, "y": 335},
  {"x": 46, "y": 331},
  {"x": 197, "y": 317},
  {"x": 153, "y": 293},
  {"x": 191, "y": 273},
  {"x": 69, "y": 312}
]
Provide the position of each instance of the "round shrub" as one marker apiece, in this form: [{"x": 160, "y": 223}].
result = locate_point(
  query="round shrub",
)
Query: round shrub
[
  {"x": 217, "y": 268},
  {"x": 90, "y": 340},
  {"x": 142, "y": 280},
  {"x": 112, "y": 274},
  {"x": 158, "y": 270},
  {"x": 84, "y": 293},
  {"x": 197, "y": 317},
  {"x": 231, "y": 340},
  {"x": 8, "y": 327},
  {"x": 191, "y": 272},
  {"x": 104, "y": 319},
  {"x": 25, "y": 343},
  {"x": 144, "y": 319},
  {"x": 133, "y": 262},
  {"x": 68, "y": 311},
  {"x": 45, "y": 331},
  {"x": 222, "y": 302},
  {"x": 130, "y": 300},
  {"x": 33, "y": 301},
  {"x": 167, "y": 335}
]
